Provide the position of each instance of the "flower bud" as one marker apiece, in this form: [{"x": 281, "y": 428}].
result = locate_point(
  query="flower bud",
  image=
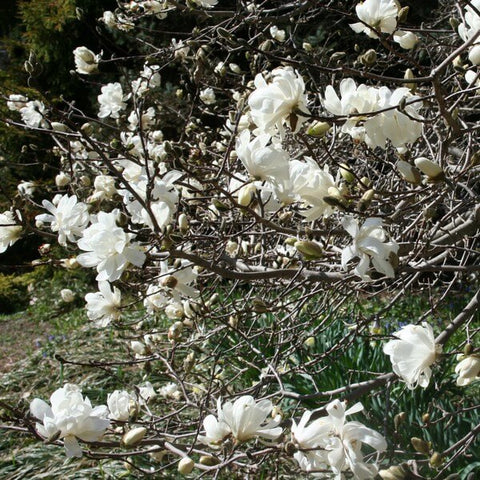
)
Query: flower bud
[
  {"x": 346, "y": 173},
  {"x": 219, "y": 205},
  {"x": 435, "y": 460},
  {"x": 246, "y": 194},
  {"x": 426, "y": 418},
  {"x": 433, "y": 171},
  {"x": 454, "y": 23},
  {"x": 208, "y": 460},
  {"x": 134, "y": 437},
  {"x": 189, "y": 362},
  {"x": 402, "y": 14},
  {"x": 408, "y": 76},
  {"x": 62, "y": 180},
  {"x": 175, "y": 331},
  {"x": 157, "y": 455},
  {"x": 185, "y": 465},
  {"x": 59, "y": 127},
  {"x": 420, "y": 445},
  {"x": 67, "y": 295},
  {"x": 408, "y": 172},
  {"x": 310, "y": 249},
  {"x": 395, "y": 472},
  {"x": 335, "y": 198},
  {"x": 366, "y": 200},
  {"x": 318, "y": 129},
  {"x": 183, "y": 223},
  {"x": 467, "y": 350},
  {"x": 259, "y": 306},
  {"x": 398, "y": 419},
  {"x": 169, "y": 281},
  {"x": 368, "y": 58},
  {"x": 307, "y": 46},
  {"x": 309, "y": 342}
]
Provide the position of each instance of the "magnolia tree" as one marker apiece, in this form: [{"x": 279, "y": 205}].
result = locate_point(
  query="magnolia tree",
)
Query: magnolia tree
[{"x": 243, "y": 192}]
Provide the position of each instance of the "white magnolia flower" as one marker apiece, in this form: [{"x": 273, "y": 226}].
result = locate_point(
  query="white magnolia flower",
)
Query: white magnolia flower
[
  {"x": 175, "y": 283},
  {"x": 16, "y": 102},
  {"x": 170, "y": 390},
  {"x": 207, "y": 96},
  {"x": 67, "y": 295},
  {"x": 149, "y": 78},
  {"x": 262, "y": 159},
  {"x": 280, "y": 100},
  {"x": 468, "y": 370},
  {"x": 205, "y": 3},
  {"x": 412, "y": 353},
  {"x": 103, "y": 306},
  {"x": 146, "y": 392},
  {"x": 104, "y": 188},
  {"x": 26, "y": 188},
  {"x": 33, "y": 114},
  {"x": 344, "y": 448},
  {"x": 112, "y": 100},
  {"x": 120, "y": 403},
  {"x": 331, "y": 441},
  {"x": 108, "y": 248},
  {"x": 310, "y": 184},
  {"x": 9, "y": 230},
  {"x": 357, "y": 101},
  {"x": 86, "y": 62},
  {"x": 277, "y": 34},
  {"x": 244, "y": 419},
  {"x": 308, "y": 439},
  {"x": 68, "y": 217},
  {"x": 71, "y": 417},
  {"x": 381, "y": 15},
  {"x": 406, "y": 40},
  {"x": 369, "y": 244},
  {"x": 62, "y": 179},
  {"x": 146, "y": 121},
  {"x": 394, "y": 125},
  {"x": 471, "y": 25}
]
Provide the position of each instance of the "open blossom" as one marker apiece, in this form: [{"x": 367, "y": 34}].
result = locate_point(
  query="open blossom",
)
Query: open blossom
[
  {"x": 381, "y": 15},
  {"x": 310, "y": 184},
  {"x": 70, "y": 416},
  {"x": 108, "y": 248},
  {"x": 104, "y": 305},
  {"x": 120, "y": 405},
  {"x": 68, "y": 217},
  {"x": 412, "y": 353},
  {"x": 205, "y": 3},
  {"x": 207, "y": 96},
  {"x": 468, "y": 370},
  {"x": 406, "y": 40},
  {"x": 86, "y": 62},
  {"x": 358, "y": 103},
  {"x": 369, "y": 244},
  {"x": 104, "y": 188},
  {"x": 280, "y": 100},
  {"x": 9, "y": 230},
  {"x": 112, "y": 100},
  {"x": 262, "y": 159},
  {"x": 332, "y": 442},
  {"x": 149, "y": 78},
  {"x": 16, "y": 102},
  {"x": 33, "y": 114},
  {"x": 243, "y": 419},
  {"x": 469, "y": 28}
]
